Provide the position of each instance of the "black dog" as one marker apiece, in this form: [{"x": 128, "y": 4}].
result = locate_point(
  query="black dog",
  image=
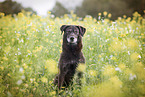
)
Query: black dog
[{"x": 71, "y": 54}]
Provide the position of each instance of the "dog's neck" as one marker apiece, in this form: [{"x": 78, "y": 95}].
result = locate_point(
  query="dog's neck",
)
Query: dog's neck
[{"x": 72, "y": 49}]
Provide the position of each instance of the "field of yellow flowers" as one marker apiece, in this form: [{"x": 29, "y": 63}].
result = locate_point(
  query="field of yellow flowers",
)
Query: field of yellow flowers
[{"x": 30, "y": 48}]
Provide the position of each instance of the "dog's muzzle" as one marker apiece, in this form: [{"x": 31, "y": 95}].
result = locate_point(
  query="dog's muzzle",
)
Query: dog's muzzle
[{"x": 72, "y": 39}]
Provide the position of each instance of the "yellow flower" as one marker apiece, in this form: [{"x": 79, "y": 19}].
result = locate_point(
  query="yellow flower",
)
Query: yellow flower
[
  {"x": 13, "y": 40},
  {"x": 111, "y": 88},
  {"x": 136, "y": 14},
  {"x": 26, "y": 85},
  {"x": 134, "y": 56},
  {"x": 116, "y": 82},
  {"x": 129, "y": 74},
  {"x": 50, "y": 82},
  {"x": 1, "y": 67},
  {"x": 109, "y": 70},
  {"x": 141, "y": 88},
  {"x": 92, "y": 72},
  {"x": 49, "y": 12},
  {"x": 128, "y": 19},
  {"x": 124, "y": 16},
  {"x": 90, "y": 59},
  {"x": 139, "y": 70},
  {"x": 37, "y": 49},
  {"x": 100, "y": 46},
  {"x": 7, "y": 49},
  {"x": 2, "y": 14},
  {"x": 119, "y": 18},
  {"x": 116, "y": 46},
  {"x": 8, "y": 74},
  {"x": 29, "y": 33},
  {"x": 51, "y": 41},
  {"x": 5, "y": 58},
  {"x": 60, "y": 50},
  {"x": 81, "y": 67},
  {"x": 53, "y": 93},
  {"x": 113, "y": 58},
  {"x": 127, "y": 71},
  {"x": 91, "y": 48},
  {"x": 25, "y": 65},
  {"x": 104, "y": 13},
  {"x": 20, "y": 14},
  {"x": 2, "y": 62},
  {"x": 44, "y": 79},
  {"x": 18, "y": 35},
  {"x": 28, "y": 51},
  {"x": 109, "y": 15},
  {"x": 51, "y": 66},
  {"x": 47, "y": 32},
  {"x": 123, "y": 35},
  {"x": 17, "y": 66},
  {"x": 99, "y": 56},
  {"x": 132, "y": 44},
  {"x": 53, "y": 49},
  {"x": 62, "y": 87},
  {"x": 122, "y": 66},
  {"x": 99, "y": 14}
]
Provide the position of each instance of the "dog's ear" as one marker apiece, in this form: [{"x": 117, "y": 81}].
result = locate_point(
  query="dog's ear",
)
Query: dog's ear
[
  {"x": 82, "y": 30},
  {"x": 62, "y": 28}
]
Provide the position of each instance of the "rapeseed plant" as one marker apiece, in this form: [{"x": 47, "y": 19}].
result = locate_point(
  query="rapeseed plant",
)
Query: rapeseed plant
[
  {"x": 122, "y": 66},
  {"x": 132, "y": 44},
  {"x": 104, "y": 13},
  {"x": 110, "y": 88},
  {"x": 51, "y": 66},
  {"x": 134, "y": 57},
  {"x": 109, "y": 70},
  {"x": 92, "y": 72},
  {"x": 139, "y": 70},
  {"x": 44, "y": 79},
  {"x": 109, "y": 15},
  {"x": 81, "y": 67},
  {"x": 116, "y": 46}
]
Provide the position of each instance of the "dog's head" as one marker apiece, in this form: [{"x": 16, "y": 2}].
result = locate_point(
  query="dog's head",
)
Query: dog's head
[{"x": 72, "y": 32}]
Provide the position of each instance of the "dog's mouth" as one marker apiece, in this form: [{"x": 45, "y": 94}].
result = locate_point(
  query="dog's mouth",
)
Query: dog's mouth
[
  {"x": 73, "y": 44},
  {"x": 72, "y": 40}
]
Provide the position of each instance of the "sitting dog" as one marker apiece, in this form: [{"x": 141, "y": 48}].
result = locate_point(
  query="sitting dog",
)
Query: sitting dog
[{"x": 71, "y": 54}]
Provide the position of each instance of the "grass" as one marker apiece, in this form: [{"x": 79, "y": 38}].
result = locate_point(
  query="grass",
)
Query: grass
[{"x": 30, "y": 48}]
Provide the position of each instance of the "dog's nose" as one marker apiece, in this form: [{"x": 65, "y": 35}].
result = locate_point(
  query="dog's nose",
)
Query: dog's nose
[{"x": 72, "y": 38}]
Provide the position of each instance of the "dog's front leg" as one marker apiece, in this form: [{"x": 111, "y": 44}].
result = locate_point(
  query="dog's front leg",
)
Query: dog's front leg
[{"x": 61, "y": 79}]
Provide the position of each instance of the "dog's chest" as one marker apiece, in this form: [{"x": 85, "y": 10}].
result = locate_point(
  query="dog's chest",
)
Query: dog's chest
[
  {"x": 71, "y": 61},
  {"x": 70, "y": 66},
  {"x": 71, "y": 58}
]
